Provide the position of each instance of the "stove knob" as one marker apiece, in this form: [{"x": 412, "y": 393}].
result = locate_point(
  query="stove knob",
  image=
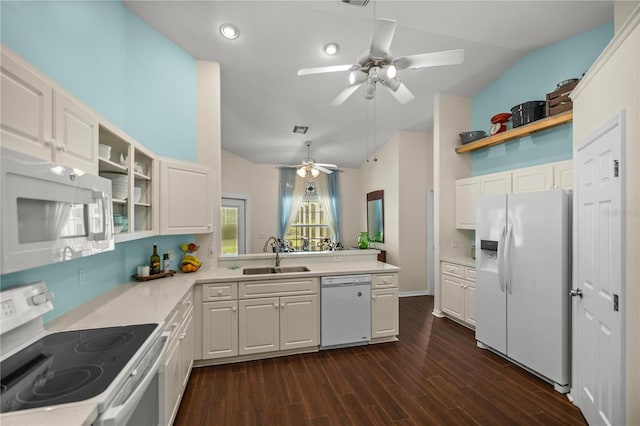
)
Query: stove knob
[{"x": 41, "y": 298}]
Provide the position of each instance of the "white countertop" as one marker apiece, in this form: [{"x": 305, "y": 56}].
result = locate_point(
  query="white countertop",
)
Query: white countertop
[
  {"x": 465, "y": 261},
  {"x": 152, "y": 301}
]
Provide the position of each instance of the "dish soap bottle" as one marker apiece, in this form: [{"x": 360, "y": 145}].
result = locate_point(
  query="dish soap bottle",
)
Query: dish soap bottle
[{"x": 154, "y": 261}]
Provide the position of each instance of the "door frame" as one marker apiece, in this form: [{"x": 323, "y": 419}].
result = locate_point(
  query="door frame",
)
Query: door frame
[{"x": 617, "y": 119}]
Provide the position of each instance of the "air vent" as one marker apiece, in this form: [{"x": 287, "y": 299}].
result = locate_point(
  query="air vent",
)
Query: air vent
[{"x": 362, "y": 3}]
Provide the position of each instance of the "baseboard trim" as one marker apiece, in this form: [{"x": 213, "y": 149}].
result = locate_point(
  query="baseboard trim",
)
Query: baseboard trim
[{"x": 414, "y": 293}]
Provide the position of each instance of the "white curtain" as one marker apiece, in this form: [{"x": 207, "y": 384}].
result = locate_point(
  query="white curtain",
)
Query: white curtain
[
  {"x": 326, "y": 202},
  {"x": 296, "y": 201}
]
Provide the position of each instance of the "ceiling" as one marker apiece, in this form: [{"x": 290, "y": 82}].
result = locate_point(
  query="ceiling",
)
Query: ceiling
[{"x": 263, "y": 98}]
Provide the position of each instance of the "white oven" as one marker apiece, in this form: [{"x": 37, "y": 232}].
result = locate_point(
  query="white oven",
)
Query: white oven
[
  {"x": 51, "y": 213},
  {"x": 116, "y": 368}
]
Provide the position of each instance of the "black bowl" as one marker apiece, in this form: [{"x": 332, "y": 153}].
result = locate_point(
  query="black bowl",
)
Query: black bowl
[{"x": 473, "y": 135}]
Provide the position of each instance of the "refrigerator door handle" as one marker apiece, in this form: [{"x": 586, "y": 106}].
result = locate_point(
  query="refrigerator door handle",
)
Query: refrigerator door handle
[
  {"x": 501, "y": 258},
  {"x": 507, "y": 261}
]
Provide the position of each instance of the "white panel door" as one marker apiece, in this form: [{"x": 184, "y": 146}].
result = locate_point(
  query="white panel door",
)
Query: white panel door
[
  {"x": 384, "y": 312},
  {"x": 26, "y": 118},
  {"x": 259, "y": 325},
  {"x": 563, "y": 174},
  {"x": 452, "y": 296},
  {"x": 495, "y": 184},
  {"x": 599, "y": 386},
  {"x": 537, "y": 178},
  {"x": 76, "y": 134},
  {"x": 219, "y": 329},
  {"x": 299, "y": 321},
  {"x": 466, "y": 193},
  {"x": 185, "y": 198}
]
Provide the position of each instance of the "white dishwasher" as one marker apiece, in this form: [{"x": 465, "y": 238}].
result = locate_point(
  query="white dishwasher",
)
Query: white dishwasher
[{"x": 345, "y": 311}]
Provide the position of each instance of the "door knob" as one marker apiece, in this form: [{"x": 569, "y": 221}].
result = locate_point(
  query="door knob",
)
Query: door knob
[{"x": 576, "y": 292}]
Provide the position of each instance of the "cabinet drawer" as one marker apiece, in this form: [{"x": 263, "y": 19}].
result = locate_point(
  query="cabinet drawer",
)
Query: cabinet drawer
[
  {"x": 186, "y": 305},
  {"x": 219, "y": 291},
  {"x": 172, "y": 325},
  {"x": 470, "y": 274},
  {"x": 453, "y": 269},
  {"x": 384, "y": 280},
  {"x": 276, "y": 287}
]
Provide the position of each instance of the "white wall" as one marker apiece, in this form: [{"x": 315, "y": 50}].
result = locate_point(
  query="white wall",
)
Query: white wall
[
  {"x": 383, "y": 174},
  {"x": 452, "y": 115},
  {"x": 416, "y": 178},
  {"x": 259, "y": 183},
  {"x": 208, "y": 145}
]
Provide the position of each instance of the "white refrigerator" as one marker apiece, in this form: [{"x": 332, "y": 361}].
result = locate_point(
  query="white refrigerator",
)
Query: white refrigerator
[{"x": 523, "y": 267}]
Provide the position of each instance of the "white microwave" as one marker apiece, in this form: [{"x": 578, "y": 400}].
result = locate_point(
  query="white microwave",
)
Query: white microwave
[{"x": 51, "y": 213}]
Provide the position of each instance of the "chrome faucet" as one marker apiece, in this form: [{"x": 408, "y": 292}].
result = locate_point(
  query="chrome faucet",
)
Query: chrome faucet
[{"x": 275, "y": 240}]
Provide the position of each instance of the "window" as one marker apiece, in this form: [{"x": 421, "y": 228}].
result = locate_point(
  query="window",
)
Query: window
[{"x": 309, "y": 227}]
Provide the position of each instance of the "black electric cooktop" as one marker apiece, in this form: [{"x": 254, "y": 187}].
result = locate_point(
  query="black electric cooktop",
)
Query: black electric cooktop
[{"x": 68, "y": 366}]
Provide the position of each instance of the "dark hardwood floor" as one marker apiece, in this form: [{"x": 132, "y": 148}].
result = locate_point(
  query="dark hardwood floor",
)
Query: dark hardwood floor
[{"x": 434, "y": 375}]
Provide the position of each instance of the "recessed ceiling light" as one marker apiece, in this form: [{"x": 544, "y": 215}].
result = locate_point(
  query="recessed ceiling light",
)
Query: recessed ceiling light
[
  {"x": 300, "y": 129},
  {"x": 331, "y": 49},
  {"x": 229, "y": 31}
]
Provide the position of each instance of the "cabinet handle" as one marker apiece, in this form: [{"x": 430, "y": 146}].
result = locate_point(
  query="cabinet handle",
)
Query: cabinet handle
[
  {"x": 61, "y": 147},
  {"x": 219, "y": 292},
  {"x": 373, "y": 296},
  {"x": 233, "y": 309},
  {"x": 282, "y": 305},
  {"x": 174, "y": 325},
  {"x": 275, "y": 305},
  {"x": 49, "y": 142},
  {"x": 182, "y": 336}
]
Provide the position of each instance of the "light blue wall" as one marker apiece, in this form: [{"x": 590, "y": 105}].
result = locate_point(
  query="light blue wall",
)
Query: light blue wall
[
  {"x": 532, "y": 78},
  {"x": 134, "y": 77}
]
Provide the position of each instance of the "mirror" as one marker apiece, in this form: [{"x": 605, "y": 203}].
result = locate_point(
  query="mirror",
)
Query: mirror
[{"x": 375, "y": 216}]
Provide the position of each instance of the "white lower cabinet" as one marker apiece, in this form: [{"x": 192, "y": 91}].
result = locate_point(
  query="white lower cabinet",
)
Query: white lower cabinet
[
  {"x": 178, "y": 358},
  {"x": 220, "y": 329},
  {"x": 278, "y": 323},
  {"x": 385, "y": 306},
  {"x": 254, "y": 317},
  {"x": 458, "y": 292}
]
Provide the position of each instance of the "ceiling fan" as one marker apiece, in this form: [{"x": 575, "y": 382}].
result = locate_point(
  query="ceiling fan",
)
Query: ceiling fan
[
  {"x": 378, "y": 66},
  {"x": 310, "y": 166}
]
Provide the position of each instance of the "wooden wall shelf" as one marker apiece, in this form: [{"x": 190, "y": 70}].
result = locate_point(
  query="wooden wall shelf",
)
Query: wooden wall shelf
[{"x": 518, "y": 132}]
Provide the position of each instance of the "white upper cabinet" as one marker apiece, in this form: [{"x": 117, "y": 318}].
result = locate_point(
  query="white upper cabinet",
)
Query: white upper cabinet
[
  {"x": 563, "y": 174},
  {"x": 42, "y": 120},
  {"x": 186, "y": 204},
  {"x": 539, "y": 178},
  {"x": 536, "y": 178},
  {"x": 467, "y": 191},
  {"x": 495, "y": 184}
]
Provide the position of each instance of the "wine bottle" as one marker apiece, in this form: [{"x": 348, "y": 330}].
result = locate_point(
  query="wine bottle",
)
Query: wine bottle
[{"x": 154, "y": 261}]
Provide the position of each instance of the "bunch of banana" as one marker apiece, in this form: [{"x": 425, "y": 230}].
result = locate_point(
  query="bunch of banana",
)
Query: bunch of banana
[{"x": 190, "y": 263}]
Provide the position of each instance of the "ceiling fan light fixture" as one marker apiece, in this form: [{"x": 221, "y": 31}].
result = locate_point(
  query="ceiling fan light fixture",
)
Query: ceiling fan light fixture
[
  {"x": 389, "y": 71},
  {"x": 229, "y": 31},
  {"x": 302, "y": 172},
  {"x": 331, "y": 49},
  {"x": 315, "y": 172},
  {"x": 357, "y": 76},
  {"x": 392, "y": 83}
]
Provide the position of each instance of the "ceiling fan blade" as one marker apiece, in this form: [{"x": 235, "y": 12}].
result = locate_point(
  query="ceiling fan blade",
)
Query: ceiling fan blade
[
  {"x": 344, "y": 95},
  {"x": 322, "y": 169},
  {"x": 433, "y": 59},
  {"x": 333, "y": 68},
  {"x": 402, "y": 94},
  {"x": 326, "y": 165},
  {"x": 383, "y": 30}
]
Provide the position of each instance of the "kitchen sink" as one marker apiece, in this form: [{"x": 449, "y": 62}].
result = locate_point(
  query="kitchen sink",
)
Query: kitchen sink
[
  {"x": 271, "y": 270},
  {"x": 286, "y": 269}
]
